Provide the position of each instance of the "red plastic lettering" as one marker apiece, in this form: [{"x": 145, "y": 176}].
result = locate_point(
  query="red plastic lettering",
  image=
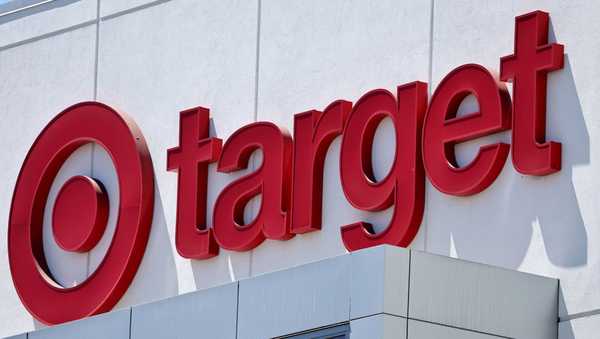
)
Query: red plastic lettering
[
  {"x": 443, "y": 129},
  {"x": 190, "y": 159},
  {"x": 404, "y": 186},
  {"x": 528, "y": 68},
  {"x": 313, "y": 133},
  {"x": 272, "y": 180}
]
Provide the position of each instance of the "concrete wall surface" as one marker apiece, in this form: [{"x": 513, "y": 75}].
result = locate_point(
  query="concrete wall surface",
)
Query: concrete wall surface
[
  {"x": 266, "y": 60},
  {"x": 432, "y": 301}
]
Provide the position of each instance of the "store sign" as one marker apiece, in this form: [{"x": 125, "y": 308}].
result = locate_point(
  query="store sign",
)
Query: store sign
[{"x": 290, "y": 179}]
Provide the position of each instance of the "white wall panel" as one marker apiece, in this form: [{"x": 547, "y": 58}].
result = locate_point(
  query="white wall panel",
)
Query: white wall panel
[
  {"x": 46, "y": 18},
  {"x": 39, "y": 80},
  {"x": 482, "y": 298},
  {"x": 314, "y": 52},
  {"x": 109, "y": 7},
  {"x": 154, "y": 63},
  {"x": 544, "y": 225}
]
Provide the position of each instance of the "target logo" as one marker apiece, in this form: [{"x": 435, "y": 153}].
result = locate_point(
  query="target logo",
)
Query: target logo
[
  {"x": 80, "y": 213},
  {"x": 289, "y": 180}
]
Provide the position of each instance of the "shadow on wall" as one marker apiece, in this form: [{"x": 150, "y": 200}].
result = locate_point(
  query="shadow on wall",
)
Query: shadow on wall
[
  {"x": 228, "y": 266},
  {"x": 156, "y": 277},
  {"x": 8, "y": 8},
  {"x": 500, "y": 223}
]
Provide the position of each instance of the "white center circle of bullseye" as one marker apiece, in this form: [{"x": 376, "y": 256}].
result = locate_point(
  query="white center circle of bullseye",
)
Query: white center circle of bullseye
[{"x": 71, "y": 268}]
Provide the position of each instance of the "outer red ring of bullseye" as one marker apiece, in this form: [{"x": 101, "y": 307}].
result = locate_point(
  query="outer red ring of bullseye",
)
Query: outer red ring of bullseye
[{"x": 120, "y": 137}]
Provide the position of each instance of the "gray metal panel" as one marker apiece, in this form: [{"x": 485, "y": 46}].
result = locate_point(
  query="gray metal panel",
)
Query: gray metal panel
[
  {"x": 296, "y": 299},
  {"x": 380, "y": 326},
  {"x": 113, "y": 325},
  {"x": 211, "y": 313},
  {"x": 449, "y": 298},
  {"x": 423, "y": 330},
  {"x": 379, "y": 281},
  {"x": 481, "y": 297}
]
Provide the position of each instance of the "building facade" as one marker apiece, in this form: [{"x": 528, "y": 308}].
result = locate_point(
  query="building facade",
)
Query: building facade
[{"x": 263, "y": 60}]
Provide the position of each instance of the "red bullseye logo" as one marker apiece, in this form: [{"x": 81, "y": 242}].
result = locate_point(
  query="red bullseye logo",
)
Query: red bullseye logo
[{"x": 80, "y": 213}]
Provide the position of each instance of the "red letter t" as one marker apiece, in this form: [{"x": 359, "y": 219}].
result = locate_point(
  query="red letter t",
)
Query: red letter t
[{"x": 528, "y": 68}]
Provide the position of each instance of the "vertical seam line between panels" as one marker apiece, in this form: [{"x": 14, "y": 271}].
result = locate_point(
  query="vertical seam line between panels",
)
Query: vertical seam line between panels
[
  {"x": 96, "y": 50},
  {"x": 258, "y": 14},
  {"x": 431, "y": 20},
  {"x": 237, "y": 311},
  {"x": 429, "y": 80},
  {"x": 130, "y": 320},
  {"x": 557, "y": 308},
  {"x": 408, "y": 291},
  {"x": 95, "y": 96},
  {"x": 255, "y": 208}
]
